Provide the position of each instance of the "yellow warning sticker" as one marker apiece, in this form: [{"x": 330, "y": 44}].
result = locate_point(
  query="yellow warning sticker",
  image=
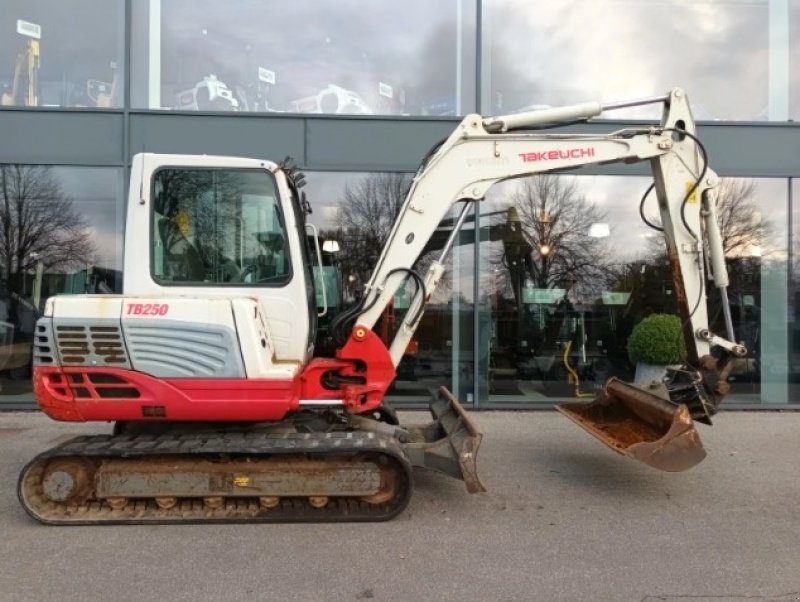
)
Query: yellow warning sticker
[
  {"x": 241, "y": 481},
  {"x": 692, "y": 197}
]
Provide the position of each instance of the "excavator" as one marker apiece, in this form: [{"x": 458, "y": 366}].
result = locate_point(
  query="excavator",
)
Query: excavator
[
  {"x": 25, "y": 87},
  {"x": 206, "y": 362}
]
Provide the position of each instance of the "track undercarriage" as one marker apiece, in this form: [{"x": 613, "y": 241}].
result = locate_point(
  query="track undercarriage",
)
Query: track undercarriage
[{"x": 314, "y": 468}]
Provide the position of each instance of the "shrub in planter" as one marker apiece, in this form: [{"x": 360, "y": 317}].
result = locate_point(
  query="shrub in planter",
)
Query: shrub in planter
[{"x": 656, "y": 340}]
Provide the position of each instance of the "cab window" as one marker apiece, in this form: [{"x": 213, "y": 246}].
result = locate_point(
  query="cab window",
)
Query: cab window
[{"x": 218, "y": 226}]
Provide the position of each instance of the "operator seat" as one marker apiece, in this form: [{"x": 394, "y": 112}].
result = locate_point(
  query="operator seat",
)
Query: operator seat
[{"x": 183, "y": 259}]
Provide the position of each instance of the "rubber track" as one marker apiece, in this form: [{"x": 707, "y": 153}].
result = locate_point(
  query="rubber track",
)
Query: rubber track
[{"x": 211, "y": 445}]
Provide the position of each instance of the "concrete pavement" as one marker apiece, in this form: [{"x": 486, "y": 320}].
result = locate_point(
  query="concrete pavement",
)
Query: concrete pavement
[{"x": 564, "y": 519}]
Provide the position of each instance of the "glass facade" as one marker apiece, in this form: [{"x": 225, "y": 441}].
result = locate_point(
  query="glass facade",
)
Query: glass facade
[
  {"x": 793, "y": 315},
  {"x": 62, "y": 54},
  {"x": 793, "y": 41},
  {"x": 61, "y": 233},
  {"x": 512, "y": 322},
  {"x": 568, "y": 268},
  {"x": 565, "y": 268},
  {"x": 382, "y": 59},
  {"x": 377, "y": 58},
  {"x": 556, "y": 53}
]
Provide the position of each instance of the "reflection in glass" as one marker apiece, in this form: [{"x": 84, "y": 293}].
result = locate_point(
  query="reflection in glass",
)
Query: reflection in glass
[
  {"x": 541, "y": 265},
  {"x": 793, "y": 325},
  {"x": 62, "y": 54},
  {"x": 305, "y": 56},
  {"x": 794, "y": 60},
  {"x": 556, "y": 53},
  {"x": 58, "y": 234},
  {"x": 558, "y": 302},
  {"x": 566, "y": 269}
]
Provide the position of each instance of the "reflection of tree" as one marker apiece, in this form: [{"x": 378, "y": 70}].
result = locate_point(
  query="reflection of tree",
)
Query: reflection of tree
[
  {"x": 367, "y": 212},
  {"x": 743, "y": 227},
  {"x": 38, "y": 223},
  {"x": 744, "y": 234},
  {"x": 744, "y": 230},
  {"x": 197, "y": 209},
  {"x": 553, "y": 247}
]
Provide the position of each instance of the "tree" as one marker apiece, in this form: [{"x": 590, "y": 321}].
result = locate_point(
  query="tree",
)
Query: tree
[
  {"x": 546, "y": 238},
  {"x": 745, "y": 232},
  {"x": 38, "y": 223},
  {"x": 366, "y": 214},
  {"x": 741, "y": 221}
]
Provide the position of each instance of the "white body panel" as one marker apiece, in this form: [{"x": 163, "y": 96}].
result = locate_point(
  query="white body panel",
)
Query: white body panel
[
  {"x": 285, "y": 307},
  {"x": 85, "y": 307},
  {"x": 258, "y": 348},
  {"x": 178, "y": 336}
]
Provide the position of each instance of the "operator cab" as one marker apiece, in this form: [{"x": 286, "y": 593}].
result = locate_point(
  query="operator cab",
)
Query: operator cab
[{"x": 222, "y": 227}]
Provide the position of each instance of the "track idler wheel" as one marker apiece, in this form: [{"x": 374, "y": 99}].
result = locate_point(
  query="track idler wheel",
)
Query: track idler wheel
[{"x": 67, "y": 481}]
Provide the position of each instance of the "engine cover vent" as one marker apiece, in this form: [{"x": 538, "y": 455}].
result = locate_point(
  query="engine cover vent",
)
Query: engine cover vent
[
  {"x": 44, "y": 352},
  {"x": 92, "y": 345}
]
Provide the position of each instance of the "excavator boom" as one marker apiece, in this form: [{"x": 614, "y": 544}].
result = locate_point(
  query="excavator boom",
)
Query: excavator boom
[{"x": 656, "y": 429}]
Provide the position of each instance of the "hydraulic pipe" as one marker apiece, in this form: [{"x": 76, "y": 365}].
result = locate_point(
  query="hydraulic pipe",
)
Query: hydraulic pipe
[
  {"x": 462, "y": 217},
  {"x": 636, "y": 102}
]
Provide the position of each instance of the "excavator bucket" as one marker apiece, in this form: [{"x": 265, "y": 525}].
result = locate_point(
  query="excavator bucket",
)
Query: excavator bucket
[
  {"x": 449, "y": 444},
  {"x": 639, "y": 424}
]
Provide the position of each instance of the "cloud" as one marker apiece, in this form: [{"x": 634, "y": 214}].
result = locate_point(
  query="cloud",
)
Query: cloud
[{"x": 615, "y": 49}]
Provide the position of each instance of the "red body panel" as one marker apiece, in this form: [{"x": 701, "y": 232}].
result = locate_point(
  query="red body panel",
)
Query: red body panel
[
  {"x": 364, "y": 357},
  {"x": 84, "y": 393}
]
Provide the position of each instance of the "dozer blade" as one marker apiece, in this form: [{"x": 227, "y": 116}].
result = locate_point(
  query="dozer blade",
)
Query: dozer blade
[
  {"x": 641, "y": 425},
  {"x": 449, "y": 444}
]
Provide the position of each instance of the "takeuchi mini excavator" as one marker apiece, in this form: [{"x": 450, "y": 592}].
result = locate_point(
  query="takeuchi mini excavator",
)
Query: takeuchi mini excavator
[{"x": 206, "y": 363}]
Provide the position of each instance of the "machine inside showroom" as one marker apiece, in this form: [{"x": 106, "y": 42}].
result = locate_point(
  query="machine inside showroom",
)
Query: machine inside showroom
[{"x": 224, "y": 409}]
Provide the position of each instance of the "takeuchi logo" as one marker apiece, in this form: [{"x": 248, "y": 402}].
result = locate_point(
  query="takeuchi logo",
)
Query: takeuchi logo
[{"x": 551, "y": 155}]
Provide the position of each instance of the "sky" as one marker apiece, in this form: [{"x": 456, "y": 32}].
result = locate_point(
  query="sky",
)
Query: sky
[{"x": 565, "y": 52}]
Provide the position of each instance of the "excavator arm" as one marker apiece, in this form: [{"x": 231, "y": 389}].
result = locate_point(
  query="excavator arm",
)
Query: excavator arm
[
  {"x": 484, "y": 151},
  {"x": 26, "y": 69}
]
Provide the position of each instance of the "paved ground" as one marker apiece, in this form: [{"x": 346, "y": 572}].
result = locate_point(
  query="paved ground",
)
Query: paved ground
[{"x": 565, "y": 519}]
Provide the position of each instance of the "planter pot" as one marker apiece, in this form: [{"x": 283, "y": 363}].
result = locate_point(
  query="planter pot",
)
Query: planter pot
[{"x": 647, "y": 373}]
